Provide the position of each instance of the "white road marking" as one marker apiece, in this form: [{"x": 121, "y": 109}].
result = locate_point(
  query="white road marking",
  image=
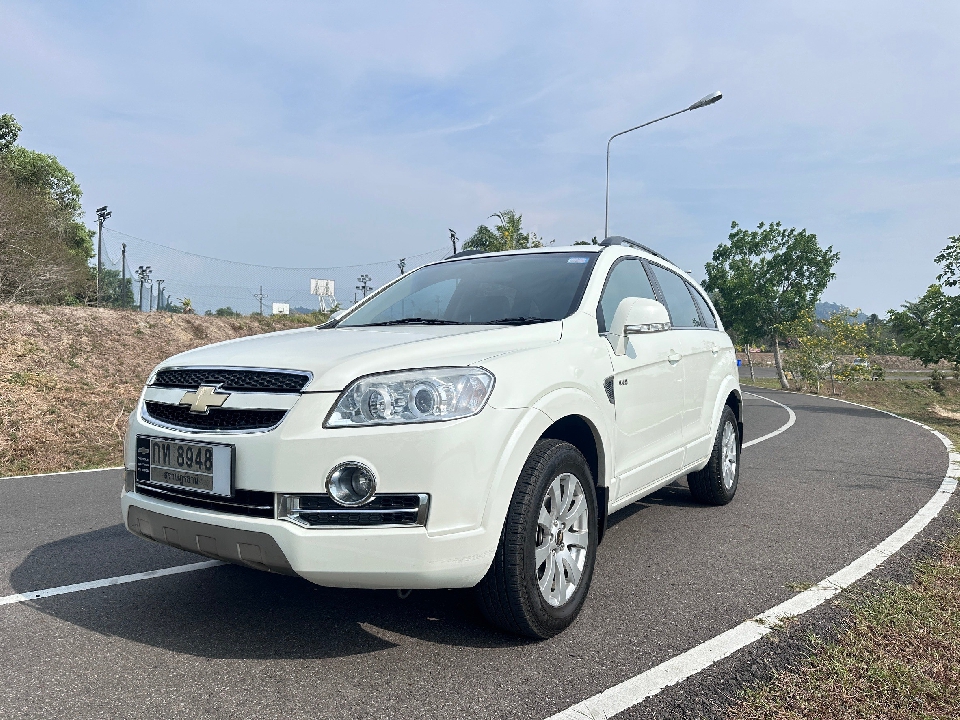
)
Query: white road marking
[
  {"x": 65, "y": 472},
  {"x": 789, "y": 424},
  {"x": 647, "y": 684},
  {"x": 106, "y": 582}
]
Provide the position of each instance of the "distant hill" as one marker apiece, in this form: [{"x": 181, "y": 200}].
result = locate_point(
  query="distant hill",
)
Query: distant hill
[{"x": 825, "y": 310}]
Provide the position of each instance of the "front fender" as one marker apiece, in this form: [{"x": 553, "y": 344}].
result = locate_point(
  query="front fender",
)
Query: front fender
[{"x": 535, "y": 422}]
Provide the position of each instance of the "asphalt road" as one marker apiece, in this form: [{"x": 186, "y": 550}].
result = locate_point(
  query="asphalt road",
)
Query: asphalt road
[{"x": 230, "y": 642}]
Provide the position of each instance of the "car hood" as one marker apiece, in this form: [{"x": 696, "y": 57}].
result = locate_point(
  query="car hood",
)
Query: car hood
[{"x": 337, "y": 356}]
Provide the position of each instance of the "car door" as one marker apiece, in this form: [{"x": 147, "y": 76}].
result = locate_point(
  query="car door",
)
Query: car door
[
  {"x": 697, "y": 348},
  {"x": 722, "y": 360},
  {"x": 647, "y": 389}
]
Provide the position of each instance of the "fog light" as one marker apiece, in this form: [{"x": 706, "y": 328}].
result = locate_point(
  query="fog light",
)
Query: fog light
[{"x": 351, "y": 484}]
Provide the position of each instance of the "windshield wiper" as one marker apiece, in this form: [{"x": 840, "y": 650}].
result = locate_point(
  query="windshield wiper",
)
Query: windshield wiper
[
  {"x": 414, "y": 321},
  {"x": 522, "y": 320}
]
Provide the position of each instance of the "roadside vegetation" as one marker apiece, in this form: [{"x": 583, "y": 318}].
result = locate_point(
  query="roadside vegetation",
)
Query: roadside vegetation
[
  {"x": 896, "y": 654},
  {"x": 69, "y": 376},
  {"x": 897, "y": 657}
]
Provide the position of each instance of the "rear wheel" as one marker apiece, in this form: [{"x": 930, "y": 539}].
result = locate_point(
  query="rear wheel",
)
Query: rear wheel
[
  {"x": 544, "y": 563},
  {"x": 716, "y": 484}
]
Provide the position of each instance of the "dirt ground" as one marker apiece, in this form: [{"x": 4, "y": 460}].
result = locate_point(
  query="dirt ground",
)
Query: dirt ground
[{"x": 69, "y": 377}]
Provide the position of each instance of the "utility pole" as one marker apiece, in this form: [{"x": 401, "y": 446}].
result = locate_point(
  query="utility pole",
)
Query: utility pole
[
  {"x": 260, "y": 296},
  {"x": 453, "y": 239},
  {"x": 364, "y": 285},
  {"x": 123, "y": 274},
  {"x": 150, "y": 288},
  {"x": 160, "y": 294},
  {"x": 402, "y": 265},
  {"x": 102, "y": 216},
  {"x": 143, "y": 274}
]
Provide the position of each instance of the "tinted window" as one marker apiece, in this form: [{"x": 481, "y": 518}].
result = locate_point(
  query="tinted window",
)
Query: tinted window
[
  {"x": 683, "y": 313},
  {"x": 628, "y": 279},
  {"x": 708, "y": 319},
  {"x": 480, "y": 290}
]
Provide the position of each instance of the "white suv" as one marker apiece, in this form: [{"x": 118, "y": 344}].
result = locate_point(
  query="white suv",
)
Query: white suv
[{"x": 472, "y": 423}]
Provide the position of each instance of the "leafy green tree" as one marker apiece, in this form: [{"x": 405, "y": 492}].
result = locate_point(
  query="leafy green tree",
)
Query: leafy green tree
[
  {"x": 764, "y": 279},
  {"x": 9, "y": 132},
  {"x": 45, "y": 174},
  {"x": 508, "y": 234},
  {"x": 593, "y": 241},
  {"x": 116, "y": 291},
  {"x": 930, "y": 327},
  {"x": 949, "y": 259}
]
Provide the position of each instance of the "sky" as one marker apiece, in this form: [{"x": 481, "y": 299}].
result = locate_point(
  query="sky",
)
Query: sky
[{"x": 322, "y": 134}]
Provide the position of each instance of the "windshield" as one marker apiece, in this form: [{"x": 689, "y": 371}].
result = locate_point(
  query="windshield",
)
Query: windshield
[{"x": 482, "y": 290}]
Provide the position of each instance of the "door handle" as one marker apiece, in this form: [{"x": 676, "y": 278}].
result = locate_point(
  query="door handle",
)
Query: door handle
[
  {"x": 674, "y": 358},
  {"x": 715, "y": 350}
]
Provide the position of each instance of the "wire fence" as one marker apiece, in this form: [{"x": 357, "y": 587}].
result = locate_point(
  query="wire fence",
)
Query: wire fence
[{"x": 162, "y": 277}]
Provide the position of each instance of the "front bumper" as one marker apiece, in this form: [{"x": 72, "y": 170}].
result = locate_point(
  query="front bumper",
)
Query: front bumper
[{"x": 386, "y": 558}]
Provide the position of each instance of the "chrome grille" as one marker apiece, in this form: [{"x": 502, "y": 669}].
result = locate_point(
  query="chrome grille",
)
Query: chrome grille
[{"x": 316, "y": 511}]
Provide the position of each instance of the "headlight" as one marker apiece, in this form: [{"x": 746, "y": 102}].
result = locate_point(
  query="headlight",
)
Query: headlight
[{"x": 412, "y": 396}]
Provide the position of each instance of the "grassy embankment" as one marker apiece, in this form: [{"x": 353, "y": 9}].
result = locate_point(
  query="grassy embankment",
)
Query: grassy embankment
[
  {"x": 70, "y": 376},
  {"x": 897, "y": 653}
]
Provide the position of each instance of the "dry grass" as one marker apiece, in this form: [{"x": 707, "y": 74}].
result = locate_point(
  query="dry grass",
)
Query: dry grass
[
  {"x": 897, "y": 658},
  {"x": 69, "y": 376},
  {"x": 898, "y": 655}
]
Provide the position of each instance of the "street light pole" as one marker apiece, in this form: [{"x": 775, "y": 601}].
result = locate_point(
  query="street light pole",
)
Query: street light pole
[
  {"x": 702, "y": 102},
  {"x": 102, "y": 216}
]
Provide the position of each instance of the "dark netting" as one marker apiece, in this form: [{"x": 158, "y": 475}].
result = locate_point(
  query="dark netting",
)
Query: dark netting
[
  {"x": 216, "y": 419},
  {"x": 238, "y": 380},
  {"x": 211, "y": 284}
]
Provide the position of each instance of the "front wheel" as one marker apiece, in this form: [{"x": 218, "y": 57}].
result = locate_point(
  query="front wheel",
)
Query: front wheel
[
  {"x": 544, "y": 563},
  {"x": 716, "y": 484}
]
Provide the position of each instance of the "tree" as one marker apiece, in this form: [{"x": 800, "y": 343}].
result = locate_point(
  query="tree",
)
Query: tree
[
  {"x": 930, "y": 327},
  {"x": 36, "y": 263},
  {"x": 9, "y": 132},
  {"x": 45, "y": 174},
  {"x": 949, "y": 258},
  {"x": 765, "y": 279},
  {"x": 507, "y": 235}
]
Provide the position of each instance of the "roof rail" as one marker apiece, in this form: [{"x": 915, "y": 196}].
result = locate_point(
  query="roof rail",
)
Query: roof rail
[{"x": 620, "y": 240}]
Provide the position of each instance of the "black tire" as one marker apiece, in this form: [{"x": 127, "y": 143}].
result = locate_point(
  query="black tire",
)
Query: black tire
[
  {"x": 509, "y": 595},
  {"x": 707, "y": 486}
]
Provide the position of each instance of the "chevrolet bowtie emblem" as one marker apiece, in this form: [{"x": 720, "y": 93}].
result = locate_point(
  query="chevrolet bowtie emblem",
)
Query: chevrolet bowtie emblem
[{"x": 204, "y": 398}]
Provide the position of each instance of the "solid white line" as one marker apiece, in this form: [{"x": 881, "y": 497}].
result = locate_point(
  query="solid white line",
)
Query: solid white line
[
  {"x": 64, "y": 472},
  {"x": 647, "y": 684},
  {"x": 789, "y": 424},
  {"x": 106, "y": 582}
]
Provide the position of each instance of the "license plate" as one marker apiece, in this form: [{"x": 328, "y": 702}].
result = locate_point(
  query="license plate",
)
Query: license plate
[{"x": 204, "y": 467}]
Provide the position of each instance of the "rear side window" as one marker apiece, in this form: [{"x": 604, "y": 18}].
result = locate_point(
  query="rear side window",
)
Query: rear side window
[
  {"x": 708, "y": 319},
  {"x": 683, "y": 312},
  {"x": 627, "y": 279}
]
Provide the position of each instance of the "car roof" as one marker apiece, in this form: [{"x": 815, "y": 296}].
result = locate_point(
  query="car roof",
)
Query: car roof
[{"x": 633, "y": 248}]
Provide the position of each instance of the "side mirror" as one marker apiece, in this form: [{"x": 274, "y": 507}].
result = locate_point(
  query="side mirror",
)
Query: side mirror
[{"x": 636, "y": 316}]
